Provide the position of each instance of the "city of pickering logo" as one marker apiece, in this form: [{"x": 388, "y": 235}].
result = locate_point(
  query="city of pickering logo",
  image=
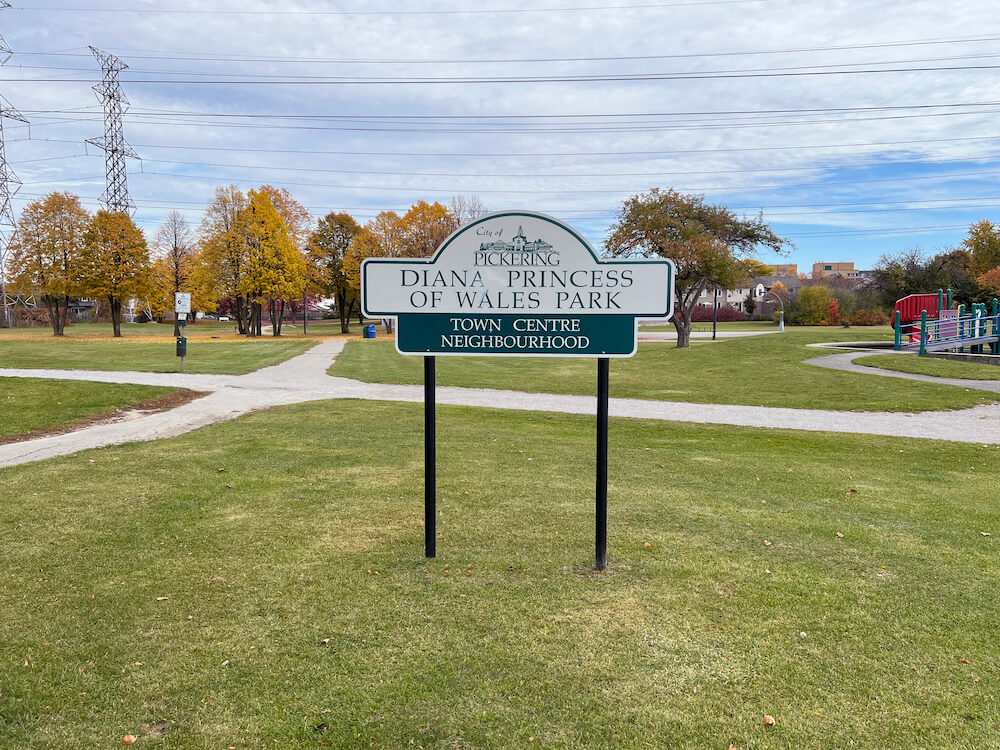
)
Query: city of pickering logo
[{"x": 519, "y": 252}]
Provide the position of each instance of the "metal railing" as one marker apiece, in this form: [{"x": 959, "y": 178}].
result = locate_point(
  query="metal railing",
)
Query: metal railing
[{"x": 954, "y": 332}]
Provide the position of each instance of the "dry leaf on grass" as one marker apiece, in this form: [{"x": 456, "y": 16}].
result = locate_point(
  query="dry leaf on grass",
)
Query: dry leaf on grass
[
  {"x": 768, "y": 720},
  {"x": 128, "y": 739}
]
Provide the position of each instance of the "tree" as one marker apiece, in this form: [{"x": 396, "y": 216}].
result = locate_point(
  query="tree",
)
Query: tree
[
  {"x": 416, "y": 234},
  {"x": 46, "y": 252},
  {"x": 708, "y": 244},
  {"x": 984, "y": 244},
  {"x": 115, "y": 263},
  {"x": 466, "y": 209},
  {"x": 222, "y": 255},
  {"x": 813, "y": 304},
  {"x": 275, "y": 269},
  {"x": 328, "y": 248},
  {"x": 174, "y": 263}
]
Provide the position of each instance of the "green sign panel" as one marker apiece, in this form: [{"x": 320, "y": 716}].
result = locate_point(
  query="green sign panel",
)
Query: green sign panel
[{"x": 525, "y": 335}]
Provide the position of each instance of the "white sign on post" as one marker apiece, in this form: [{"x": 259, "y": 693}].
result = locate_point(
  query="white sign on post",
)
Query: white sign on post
[
  {"x": 517, "y": 283},
  {"x": 182, "y": 302}
]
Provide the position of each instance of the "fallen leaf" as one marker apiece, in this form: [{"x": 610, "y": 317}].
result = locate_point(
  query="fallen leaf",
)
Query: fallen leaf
[
  {"x": 965, "y": 661},
  {"x": 128, "y": 739},
  {"x": 325, "y": 641},
  {"x": 161, "y": 598},
  {"x": 985, "y": 533},
  {"x": 225, "y": 663},
  {"x": 767, "y": 543},
  {"x": 220, "y": 470},
  {"x": 840, "y": 535},
  {"x": 229, "y": 486},
  {"x": 647, "y": 545},
  {"x": 768, "y": 720}
]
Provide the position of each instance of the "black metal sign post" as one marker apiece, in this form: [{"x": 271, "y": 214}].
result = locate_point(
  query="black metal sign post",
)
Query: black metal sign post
[
  {"x": 430, "y": 460},
  {"x": 601, "y": 535}
]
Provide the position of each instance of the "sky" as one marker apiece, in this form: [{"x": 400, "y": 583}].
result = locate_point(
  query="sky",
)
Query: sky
[{"x": 858, "y": 127}]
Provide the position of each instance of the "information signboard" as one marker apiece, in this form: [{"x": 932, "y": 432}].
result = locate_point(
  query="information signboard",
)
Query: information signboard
[
  {"x": 182, "y": 302},
  {"x": 517, "y": 283}
]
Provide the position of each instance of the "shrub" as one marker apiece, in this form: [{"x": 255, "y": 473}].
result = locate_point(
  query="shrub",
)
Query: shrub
[
  {"x": 726, "y": 314},
  {"x": 871, "y": 317}
]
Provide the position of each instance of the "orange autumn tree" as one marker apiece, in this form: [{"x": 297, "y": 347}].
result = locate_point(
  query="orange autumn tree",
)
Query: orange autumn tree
[
  {"x": 115, "y": 263},
  {"x": 46, "y": 254}
]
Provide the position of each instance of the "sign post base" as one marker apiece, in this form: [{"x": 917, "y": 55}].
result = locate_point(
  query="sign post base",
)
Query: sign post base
[
  {"x": 601, "y": 526},
  {"x": 430, "y": 460}
]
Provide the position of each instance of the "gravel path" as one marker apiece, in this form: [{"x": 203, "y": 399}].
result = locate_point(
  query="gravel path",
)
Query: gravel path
[
  {"x": 845, "y": 362},
  {"x": 304, "y": 378}
]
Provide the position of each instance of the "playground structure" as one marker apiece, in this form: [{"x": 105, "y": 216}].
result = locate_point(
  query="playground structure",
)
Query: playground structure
[{"x": 926, "y": 323}]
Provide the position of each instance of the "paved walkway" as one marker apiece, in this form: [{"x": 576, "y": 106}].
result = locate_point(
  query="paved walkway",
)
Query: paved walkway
[
  {"x": 845, "y": 361},
  {"x": 303, "y": 378}
]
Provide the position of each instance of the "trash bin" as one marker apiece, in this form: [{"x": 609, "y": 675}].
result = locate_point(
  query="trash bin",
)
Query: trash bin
[
  {"x": 182, "y": 346},
  {"x": 369, "y": 331}
]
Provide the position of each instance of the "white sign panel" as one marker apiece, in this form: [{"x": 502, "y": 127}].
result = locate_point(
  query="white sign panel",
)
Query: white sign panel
[
  {"x": 182, "y": 302},
  {"x": 517, "y": 263}
]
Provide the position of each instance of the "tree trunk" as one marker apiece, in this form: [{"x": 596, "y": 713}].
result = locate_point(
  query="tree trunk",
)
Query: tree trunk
[
  {"x": 343, "y": 312},
  {"x": 65, "y": 315},
  {"x": 682, "y": 324},
  {"x": 116, "y": 315},
  {"x": 52, "y": 305},
  {"x": 281, "y": 317}
]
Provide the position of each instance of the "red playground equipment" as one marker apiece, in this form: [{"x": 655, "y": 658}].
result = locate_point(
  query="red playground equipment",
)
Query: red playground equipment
[{"x": 926, "y": 322}]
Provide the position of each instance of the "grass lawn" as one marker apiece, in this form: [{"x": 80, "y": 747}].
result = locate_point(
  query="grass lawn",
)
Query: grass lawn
[
  {"x": 252, "y": 585},
  {"x": 759, "y": 370},
  {"x": 942, "y": 368},
  {"x": 29, "y": 405},
  {"x": 233, "y": 356}
]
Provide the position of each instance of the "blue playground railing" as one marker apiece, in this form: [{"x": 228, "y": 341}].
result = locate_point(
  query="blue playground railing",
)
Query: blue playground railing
[{"x": 954, "y": 333}]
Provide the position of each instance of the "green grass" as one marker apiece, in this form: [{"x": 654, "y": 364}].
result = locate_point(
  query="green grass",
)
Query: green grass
[
  {"x": 285, "y": 602},
  {"x": 31, "y": 404},
  {"x": 759, "y": 370},
  {"x": 234, "y": 357},
  {"x": 940, "y": 368}
]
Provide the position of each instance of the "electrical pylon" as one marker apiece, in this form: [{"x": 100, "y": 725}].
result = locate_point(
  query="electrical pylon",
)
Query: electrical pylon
[
  {"x": 116, "y": 150},
  {"x": 9, "y": 185}
]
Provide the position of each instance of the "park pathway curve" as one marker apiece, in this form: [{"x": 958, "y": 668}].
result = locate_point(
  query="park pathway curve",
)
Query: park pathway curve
[{"x": 304, "y": 378}]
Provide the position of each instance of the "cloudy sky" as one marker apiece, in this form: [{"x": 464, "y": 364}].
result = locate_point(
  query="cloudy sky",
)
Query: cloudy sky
[{"x": 859, "y": 127}]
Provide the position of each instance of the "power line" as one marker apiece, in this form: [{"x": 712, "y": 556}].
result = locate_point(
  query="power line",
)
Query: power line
[
  {"x": 456, "y": 80},
  {"x": 474, "y": 11},
  {"x": 231, "y": 57}
]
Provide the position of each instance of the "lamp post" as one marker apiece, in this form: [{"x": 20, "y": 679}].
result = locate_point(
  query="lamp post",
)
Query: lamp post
[
  {"x": 715, "y": 311},
  {"x": 781, "y": 314}
]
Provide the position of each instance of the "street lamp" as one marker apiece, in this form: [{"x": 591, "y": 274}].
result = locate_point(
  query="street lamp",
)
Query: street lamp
[{"x": 781, "y": 315}]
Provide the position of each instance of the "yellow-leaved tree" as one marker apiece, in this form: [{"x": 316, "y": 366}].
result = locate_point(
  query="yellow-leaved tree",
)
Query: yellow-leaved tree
[
  {"x": 46, "y": 253},
  {"x": 115, "y": 263},
  {"x": 221, "y": 261},
  {"x": 416, "y": 234},
  {"x": 328, "y": 247},
  {"x": 275, "y": 270}
]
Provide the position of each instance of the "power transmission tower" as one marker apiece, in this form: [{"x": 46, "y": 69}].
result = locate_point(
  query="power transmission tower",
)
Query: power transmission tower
[
  {"x": 9, "y": 185},
  {"x": 116, "y": 150}
]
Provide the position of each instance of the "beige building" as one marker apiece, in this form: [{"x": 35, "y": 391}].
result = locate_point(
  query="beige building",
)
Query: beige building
[
  {"x": 835, "y": 271},
  {"x": 786, "y": 269}
]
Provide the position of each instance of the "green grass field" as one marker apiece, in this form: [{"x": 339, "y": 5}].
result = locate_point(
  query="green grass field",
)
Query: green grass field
[
  {"x": 261, "y": 584},
  {"x": 233, "y": 356},
  {"x": 29, "y": 405},
  {"x": 941, "y": 368},
  {"x": 760, "y": 370}
]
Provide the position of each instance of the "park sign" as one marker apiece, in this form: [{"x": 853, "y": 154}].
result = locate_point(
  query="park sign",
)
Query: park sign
[{"x": 516, "y": 283}]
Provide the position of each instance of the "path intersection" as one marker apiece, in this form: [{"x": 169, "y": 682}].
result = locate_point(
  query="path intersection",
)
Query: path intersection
[{"x": 304, "y": 378}]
